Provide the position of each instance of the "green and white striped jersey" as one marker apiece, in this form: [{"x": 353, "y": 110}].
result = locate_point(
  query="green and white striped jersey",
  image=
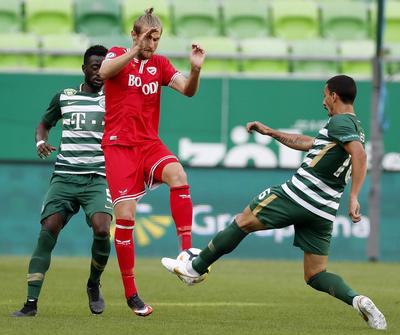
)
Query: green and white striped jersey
[
  {"x": 82, "y": 117},
  {"x": 320, "y": 181}
]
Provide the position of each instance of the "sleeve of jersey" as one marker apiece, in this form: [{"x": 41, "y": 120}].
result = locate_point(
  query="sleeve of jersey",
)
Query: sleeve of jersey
[
  {"x": 114, "y": 52},
  {"x": 53, "y": 112},
  {"x": 342, "y": 129},
  {"x": 169, "y": 73}
]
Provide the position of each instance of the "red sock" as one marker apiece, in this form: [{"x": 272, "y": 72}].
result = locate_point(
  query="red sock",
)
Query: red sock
[
  {"x": 125, "y": 250},
  {"x": 182, "y": 213}
]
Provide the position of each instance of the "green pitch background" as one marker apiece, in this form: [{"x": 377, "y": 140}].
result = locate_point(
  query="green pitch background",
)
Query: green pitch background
[{"x": 239, "y": 297}]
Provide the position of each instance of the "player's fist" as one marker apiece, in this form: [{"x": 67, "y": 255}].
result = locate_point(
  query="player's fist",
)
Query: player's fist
[{"x": 258, "y": 127}]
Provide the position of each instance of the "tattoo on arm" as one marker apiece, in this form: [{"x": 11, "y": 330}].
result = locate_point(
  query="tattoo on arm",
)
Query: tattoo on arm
[{"x": 290, "y": 139}]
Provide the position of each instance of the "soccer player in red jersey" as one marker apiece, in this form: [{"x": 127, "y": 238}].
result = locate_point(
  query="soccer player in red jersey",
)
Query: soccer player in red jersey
[{"x": 134, "y": 154}]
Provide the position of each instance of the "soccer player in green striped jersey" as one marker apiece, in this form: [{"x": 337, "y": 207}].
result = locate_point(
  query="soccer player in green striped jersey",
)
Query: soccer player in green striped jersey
[
  {"x": 308, "y": 201},
  {"x": 78, "y": 180}
]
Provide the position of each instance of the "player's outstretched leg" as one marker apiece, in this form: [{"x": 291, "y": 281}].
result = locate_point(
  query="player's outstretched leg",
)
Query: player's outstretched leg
[
  {"x": 223, "y": 243},
  {"x": 370, "y": 313}
]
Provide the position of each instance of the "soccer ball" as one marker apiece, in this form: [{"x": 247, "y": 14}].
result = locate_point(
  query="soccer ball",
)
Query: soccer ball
[{"x": 187, "y": 256}]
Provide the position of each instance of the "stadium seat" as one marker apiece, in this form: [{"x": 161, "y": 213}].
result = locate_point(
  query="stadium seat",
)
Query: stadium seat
[
  {"x": 177, "y": 49},
  {"x": 131, "y": 10},
  {"x": 393, "y": 66},
  {"x": 294, "y": 19},
  {"x": 19, "y": 51},
  {"x": 10, "y": 16},
  {"x": 315, "y": 48},
  {"x": 49, "y": 17},
  {"x": 64, "y": 51},
  {"x": 98, "y": 17},
  {"x": 222, "y": 54},
  {"x": 196, "y": 18},
  {"x": 112, "y": 40},
  {"x": 392, "y": 28},
  {"x": 345, "y": 19},
  {"x": 364, "y": 50},
  {"x": 264, "y": 56},
  {"x": 247, "y": 19}
]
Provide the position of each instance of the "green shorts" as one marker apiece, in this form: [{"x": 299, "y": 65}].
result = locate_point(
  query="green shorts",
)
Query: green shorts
[
  {"x": 68, "y": 192},
  {"x": 276, "y": 210}
]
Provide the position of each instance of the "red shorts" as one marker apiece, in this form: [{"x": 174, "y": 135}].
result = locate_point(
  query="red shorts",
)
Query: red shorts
[{"x": 129, "y": 169}]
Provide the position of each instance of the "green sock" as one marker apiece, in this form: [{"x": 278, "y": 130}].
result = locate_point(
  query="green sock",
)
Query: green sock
[
  {"x": 100, "y": 252},
  {"x": 223, "y": 243},
  {"x": 333, "y": 285},
  {"x": 40, "y": 262}
]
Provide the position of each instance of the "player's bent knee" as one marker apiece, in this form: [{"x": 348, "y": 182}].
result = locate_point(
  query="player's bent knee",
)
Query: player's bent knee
[{"x": 248, "y": 222}]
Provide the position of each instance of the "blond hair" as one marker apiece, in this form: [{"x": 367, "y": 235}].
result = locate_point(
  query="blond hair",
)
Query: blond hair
[{"x": 147, "y": 19}]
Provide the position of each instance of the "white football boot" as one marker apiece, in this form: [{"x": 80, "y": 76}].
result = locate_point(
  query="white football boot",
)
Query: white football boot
[
  {"x": 370, "y": 313},
  {"x": 182, "y": 270}
]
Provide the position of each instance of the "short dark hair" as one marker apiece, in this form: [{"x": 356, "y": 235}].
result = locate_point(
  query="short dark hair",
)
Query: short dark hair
[
  {"x": 94, "y": 50},
  {"x": 344, "y": 86}
]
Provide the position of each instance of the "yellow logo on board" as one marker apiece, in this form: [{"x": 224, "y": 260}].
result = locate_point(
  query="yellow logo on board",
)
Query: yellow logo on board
[{"x": 147, "y": 229}]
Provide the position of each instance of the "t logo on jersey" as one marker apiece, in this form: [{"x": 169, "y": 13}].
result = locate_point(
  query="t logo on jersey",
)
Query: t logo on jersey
[
  {"x": 78, "y": 119},
  {"x": 152, "y": 70}
]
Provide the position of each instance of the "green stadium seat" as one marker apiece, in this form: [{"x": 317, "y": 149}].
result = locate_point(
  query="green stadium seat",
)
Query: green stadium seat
[
  {"x": 49, "y": 17},
  {"x": 131, "y": 10},
  {"x": 393, "y": 66},
  {"x": 264, "y": 56},
  {"x": 245, "y": 19},
  {"x": 392, "y": 28},
  {"x": 177, "y": 50},
  {"x": 112, "y": 40},
  {"x": 295, "y": 19},
  {"x": 98, "y": 17},
  {"x": 64, "y": 52},
  {"x": 345, "y": 19},
  {"x": 196, "y": 18},
  {"x": 222, "y": 54},
  {"x": 315, "y": 48},
  {"x": 364, "y": 50},
  {"x": 10, "y": 16},
  {"x": 19, "y": 51}
]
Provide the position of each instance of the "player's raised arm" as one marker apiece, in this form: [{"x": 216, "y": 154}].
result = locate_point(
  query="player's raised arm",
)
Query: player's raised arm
[
  {"x": 359, "y": 169},
  {"x": 294, "y": 141},
  {"x": 188, "y": 86},
  {"x": 112, "y": 66}
]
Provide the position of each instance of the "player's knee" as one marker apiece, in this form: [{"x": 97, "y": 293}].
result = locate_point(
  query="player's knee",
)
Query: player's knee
[
  {"x": 311, "y": 275},
  {"x": 248, "y": 222},
  {"x": 102, "y": 230}
]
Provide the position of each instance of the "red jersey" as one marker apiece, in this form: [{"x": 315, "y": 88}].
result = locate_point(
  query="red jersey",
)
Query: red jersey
[{"x": 133, "y": 99}]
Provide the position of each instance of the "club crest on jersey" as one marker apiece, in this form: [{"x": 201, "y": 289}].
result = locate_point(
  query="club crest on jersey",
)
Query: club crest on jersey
[
  {"x": 152, "y": 70},
  {"x": 70, "y": 91}
]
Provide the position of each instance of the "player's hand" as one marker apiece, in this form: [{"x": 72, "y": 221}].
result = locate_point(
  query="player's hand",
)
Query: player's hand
[
  {"x": 354, "y": 209},
  {"x": 145, "y": 35},
  {"x": 258, "y": 127},
  {"x": 197, "y": 56},
  {"x": 44, "y": 150}
]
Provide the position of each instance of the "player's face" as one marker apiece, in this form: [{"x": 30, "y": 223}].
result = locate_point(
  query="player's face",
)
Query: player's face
[
  {"x": 328, "y": 101},
  {"x": 91, "y": 71},
  {"x": 150, "y": 43}
]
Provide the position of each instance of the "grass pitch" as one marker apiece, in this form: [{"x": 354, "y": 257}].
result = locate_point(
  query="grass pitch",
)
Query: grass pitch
[{"x": 239, "y": 297}]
